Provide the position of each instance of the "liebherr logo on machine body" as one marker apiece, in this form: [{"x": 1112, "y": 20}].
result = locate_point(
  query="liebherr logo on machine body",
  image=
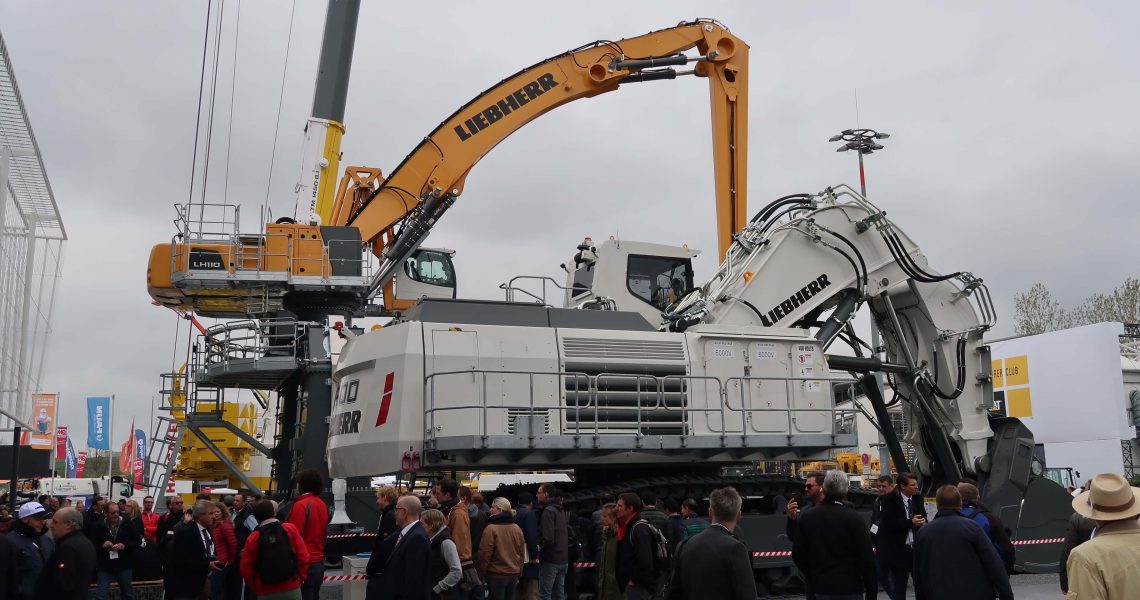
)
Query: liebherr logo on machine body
[
  {"x": 785, "y": 308},
  {"x": 511, "y": 102},
  {"x": 349, "y": 421}
]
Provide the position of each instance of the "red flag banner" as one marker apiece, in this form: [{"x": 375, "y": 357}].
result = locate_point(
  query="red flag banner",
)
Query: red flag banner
[
  {"x": 81, "y": 464},
  {"x": 61, "y": 441},
  {"x": 127, "y": 453}
]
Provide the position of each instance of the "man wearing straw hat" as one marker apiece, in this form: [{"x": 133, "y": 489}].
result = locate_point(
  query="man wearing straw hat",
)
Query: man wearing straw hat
[{"x": 1108, "y": 565}]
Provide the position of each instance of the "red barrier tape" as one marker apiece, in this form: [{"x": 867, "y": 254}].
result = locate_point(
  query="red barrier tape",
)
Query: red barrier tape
[{"x": 1035, "y": 542}]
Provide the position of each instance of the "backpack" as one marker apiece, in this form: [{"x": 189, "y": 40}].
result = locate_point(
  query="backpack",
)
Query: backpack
[
  {"x": 573, "y": 544},
  {"x": 276, "y": 562},
  {"x": 698, "y": 526},
  {"x": 660, "y": 547}
]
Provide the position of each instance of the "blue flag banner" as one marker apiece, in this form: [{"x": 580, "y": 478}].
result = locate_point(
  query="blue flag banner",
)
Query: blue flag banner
[
  {"x": 139, "y": 471},
  {"x": 72, "y": 460},
  {"x": 98, "y": 413}
]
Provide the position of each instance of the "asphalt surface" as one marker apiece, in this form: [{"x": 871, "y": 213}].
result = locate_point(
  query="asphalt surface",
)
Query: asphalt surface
[{"x": 1025, "y": 587}]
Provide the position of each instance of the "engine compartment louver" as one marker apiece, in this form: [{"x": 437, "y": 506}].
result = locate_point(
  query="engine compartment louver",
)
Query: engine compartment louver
[{"x": 594, "y": 348}]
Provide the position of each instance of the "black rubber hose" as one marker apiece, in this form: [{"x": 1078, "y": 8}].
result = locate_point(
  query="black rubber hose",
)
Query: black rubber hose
[
  {"x": 903, "y": 260},
  {"x": 764, "y": 213},
  {"x": 930, "y": 278},
  {"x": 960, "y": 356},
  {"x": 858, "y": 255}
]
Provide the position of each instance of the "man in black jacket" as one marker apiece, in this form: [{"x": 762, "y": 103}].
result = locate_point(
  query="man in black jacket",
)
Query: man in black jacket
[
  {"x": 69, "y": 571},
  {"x": 192, "y": 556},
  {"x": 32, "y": 548},
  {"x": 953, "y": 558},
  {"x": 406, "y": 576},
  {"x": 167, "y": 522},
  {"x": 650, "y": 511},
  {"x": 813, "y": 495},
  {"x": 886, "y": 485},
  {"x": 553, "y": 553},
  {"x": 115, "y": 540},
  {"x": 713, "y": 563},
  {"x": 833, "y": 546},
  {"x": 636, "y": 569},
  {"x": 903, "y": 513}
]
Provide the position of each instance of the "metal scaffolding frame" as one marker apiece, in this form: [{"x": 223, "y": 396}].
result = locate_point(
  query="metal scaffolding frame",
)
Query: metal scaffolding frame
[{"x": 32, "y": 239}]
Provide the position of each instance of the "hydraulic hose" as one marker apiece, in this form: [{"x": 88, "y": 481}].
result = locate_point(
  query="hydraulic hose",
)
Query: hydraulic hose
[
  {"x": 764, "y": 213},
  {"x": 960, "y": 355}
]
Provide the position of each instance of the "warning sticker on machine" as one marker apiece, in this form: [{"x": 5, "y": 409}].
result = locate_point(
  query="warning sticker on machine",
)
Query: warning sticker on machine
[
  {"x": 724, "y": 349},
  {"x": 813, "y": 386},
  {"x": 807, "y": 372},
  {"x": 765, "y": 351},
  {"x": 805, "y": 349}
]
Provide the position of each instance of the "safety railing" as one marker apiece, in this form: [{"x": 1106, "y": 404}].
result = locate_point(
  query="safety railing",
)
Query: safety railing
[
  {"x": 214, "y": 227},
  {"x": 510, "y": 288},
  {"x": 652, "y": 398},
  {"x": 254, "y": 339}
]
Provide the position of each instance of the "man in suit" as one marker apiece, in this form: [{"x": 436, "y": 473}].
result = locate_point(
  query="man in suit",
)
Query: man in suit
[
  {"x": 713, "y": 563},
  {"x": 886, "y": 485},
  {"x": 902, "y": 513},
  {"x": 191, "y": 556},
  {"x": 833, "y": 546},
  {"x": 405, "y": 574}
]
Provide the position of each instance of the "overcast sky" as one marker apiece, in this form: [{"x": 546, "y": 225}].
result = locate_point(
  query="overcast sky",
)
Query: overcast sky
[{"x": 1013, "y": 153}]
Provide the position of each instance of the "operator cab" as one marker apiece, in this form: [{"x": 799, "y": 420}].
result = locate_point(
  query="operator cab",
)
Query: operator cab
[
  {"x": 427, "y": 273},
  {"x": 635, "y": 276}
]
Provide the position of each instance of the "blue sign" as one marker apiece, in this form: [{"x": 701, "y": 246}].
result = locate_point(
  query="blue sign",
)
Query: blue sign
[
  {"x": 72, "y": 460},
  {"x": 98, "y": 414},
  {"x": 139, "y": 471}
]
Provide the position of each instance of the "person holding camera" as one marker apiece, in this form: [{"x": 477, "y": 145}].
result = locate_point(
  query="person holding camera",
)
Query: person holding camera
[
  {"x": 193, "y": 555},
  {"x": 115, "y": 540}
]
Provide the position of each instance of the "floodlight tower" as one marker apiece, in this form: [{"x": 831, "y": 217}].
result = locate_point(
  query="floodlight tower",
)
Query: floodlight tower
[{"x": 862, "y": 141}]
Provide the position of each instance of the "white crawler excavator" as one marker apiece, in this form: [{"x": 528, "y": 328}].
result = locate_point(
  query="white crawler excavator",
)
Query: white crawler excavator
[{"x": 733, "y": 371}]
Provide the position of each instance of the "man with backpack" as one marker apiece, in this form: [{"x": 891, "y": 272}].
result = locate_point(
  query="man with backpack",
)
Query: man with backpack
[
  {"x": 973, "y": 509},
  {"x": 310, "y": 515},
  {"x": 276, "y": 558},
  {"x": 642, "y": 555}
]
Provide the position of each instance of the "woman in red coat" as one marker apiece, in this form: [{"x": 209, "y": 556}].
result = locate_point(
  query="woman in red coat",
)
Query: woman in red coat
[{"x": 225, "y": 545}]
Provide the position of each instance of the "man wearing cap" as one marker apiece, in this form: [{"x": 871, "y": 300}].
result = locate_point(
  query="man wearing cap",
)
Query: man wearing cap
[
  {"x": 1106, "y": 566},
  {"x": 71, "y": 568},
  {"x": 32, "y": 547}
]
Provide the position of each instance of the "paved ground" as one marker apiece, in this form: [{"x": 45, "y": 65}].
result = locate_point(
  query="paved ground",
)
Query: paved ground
[{"x": 1025, "y": 587}]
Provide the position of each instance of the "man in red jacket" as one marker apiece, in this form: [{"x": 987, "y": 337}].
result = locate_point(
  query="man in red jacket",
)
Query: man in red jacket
[
  {"x": 263, "y": 512},
  {"x": 310, "y": 515}
]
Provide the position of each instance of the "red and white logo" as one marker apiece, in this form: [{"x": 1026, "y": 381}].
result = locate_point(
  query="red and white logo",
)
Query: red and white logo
[{"x": 386, "y": 400}]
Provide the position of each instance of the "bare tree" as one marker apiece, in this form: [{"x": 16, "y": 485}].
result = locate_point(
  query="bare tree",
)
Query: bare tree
[
  {"x": 1037, "y": 311},
  {"x": 1121, "y": 305}
]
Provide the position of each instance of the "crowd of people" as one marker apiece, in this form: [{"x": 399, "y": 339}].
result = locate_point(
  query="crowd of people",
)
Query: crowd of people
[
  {"x": 237, "y": 548},
  {"x": 453, "y": 545}
]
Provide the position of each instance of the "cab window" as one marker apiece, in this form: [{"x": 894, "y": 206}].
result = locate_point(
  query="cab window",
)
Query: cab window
[
  {"x": 659, "y": 280},
  {"x": 430, "y": 267}
]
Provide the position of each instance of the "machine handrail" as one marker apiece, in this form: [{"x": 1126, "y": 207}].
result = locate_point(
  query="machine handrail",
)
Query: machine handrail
[{"x": 656, "y": 392}]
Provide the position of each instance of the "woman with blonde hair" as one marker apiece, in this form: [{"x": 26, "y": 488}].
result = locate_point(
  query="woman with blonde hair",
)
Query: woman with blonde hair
[
  {"x": 133, "y": 513},
  {"x": 445, "y": 568},
  {"x": 502, "y": 552},
  {"x": 607, "y": 556}
]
